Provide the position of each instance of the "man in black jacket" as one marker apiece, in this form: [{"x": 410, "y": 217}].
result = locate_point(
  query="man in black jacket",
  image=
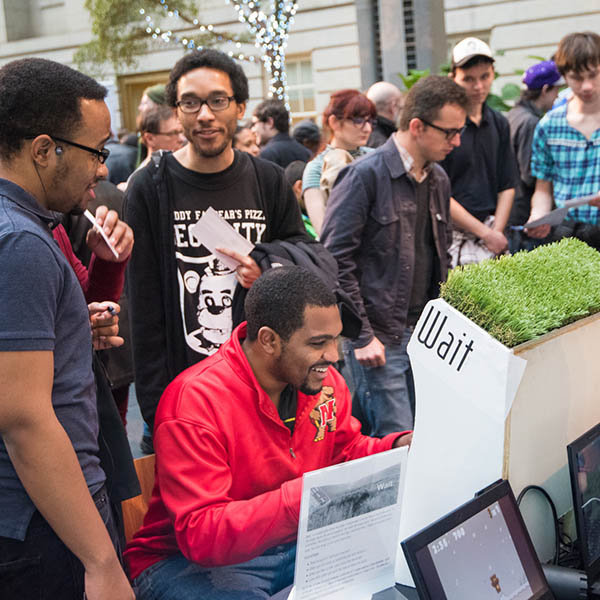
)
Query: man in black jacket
[
  {"x": 181, "y": 294},
  {"x": 388, "y": 101},
  {"x": 271, "y": 123},
  {"x": 388, "y": 225}
]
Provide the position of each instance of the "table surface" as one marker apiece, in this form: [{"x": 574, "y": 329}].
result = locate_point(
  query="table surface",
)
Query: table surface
[{"x": 400, "y": 592}]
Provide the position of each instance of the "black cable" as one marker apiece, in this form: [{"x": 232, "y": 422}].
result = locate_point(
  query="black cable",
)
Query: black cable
[{"x": 554, "y": 515}]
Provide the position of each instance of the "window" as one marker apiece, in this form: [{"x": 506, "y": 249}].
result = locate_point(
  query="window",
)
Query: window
[{"x": 301, "y": 89}]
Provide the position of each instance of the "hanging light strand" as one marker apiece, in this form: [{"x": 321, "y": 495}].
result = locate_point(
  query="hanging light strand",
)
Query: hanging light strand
[
  {"x": 185, "y": 37},
  {"x": 271, "y": 30}
]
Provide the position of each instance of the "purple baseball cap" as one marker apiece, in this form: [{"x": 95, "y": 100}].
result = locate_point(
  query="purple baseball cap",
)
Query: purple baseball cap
[{"x": 541, "y": 74}]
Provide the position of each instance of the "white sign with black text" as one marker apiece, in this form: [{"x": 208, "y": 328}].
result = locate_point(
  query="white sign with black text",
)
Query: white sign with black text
[{"x": 465, "y": 383}]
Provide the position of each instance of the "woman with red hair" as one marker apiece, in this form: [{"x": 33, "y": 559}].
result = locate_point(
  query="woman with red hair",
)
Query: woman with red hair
[{"x": 349, "y": 119}]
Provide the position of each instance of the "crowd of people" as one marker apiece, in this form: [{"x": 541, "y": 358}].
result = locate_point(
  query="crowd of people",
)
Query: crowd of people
[{"x": 246, "y": 376}]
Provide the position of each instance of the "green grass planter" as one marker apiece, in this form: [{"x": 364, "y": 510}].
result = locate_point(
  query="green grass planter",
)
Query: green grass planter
[{"x": 517, "y": 298}]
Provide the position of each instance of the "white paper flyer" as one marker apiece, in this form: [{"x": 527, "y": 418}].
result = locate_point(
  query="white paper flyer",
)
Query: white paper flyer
[{"x": 349, "y": 526}]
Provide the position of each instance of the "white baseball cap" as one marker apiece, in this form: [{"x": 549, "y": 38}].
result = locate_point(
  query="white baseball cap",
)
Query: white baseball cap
[{"x": 467, "y": 49}]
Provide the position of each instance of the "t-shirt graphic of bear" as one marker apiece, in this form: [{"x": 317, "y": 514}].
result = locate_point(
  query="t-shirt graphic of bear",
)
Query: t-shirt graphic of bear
[{"x": 206, "y": 285}]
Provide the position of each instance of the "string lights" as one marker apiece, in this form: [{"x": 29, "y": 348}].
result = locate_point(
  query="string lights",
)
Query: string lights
[
  {"x": 185, "y": 39},
  {"x": 271, "y": 29},
  {"x": 268, "y": 21}
]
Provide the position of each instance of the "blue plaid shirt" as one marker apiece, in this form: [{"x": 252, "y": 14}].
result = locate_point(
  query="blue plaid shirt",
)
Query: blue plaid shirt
[{"x": 564, "y": 156}]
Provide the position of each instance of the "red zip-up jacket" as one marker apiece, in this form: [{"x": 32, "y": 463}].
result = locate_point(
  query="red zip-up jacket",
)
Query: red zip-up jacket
[{"x": 228, "y": 471}]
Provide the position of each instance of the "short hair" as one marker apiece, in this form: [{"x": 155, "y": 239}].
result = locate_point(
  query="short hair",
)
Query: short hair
[
  {"x": 346, "y": 104},
  {"x": 40, "y": 96},
  {"x": 294, "y": 171},
  {"x": 278, "y": 298},
  {"x": 152, "y": 118},
  {"x": 307, "y": 131},
  {"x": 239, "y": 130},
  {"x": 578, "y": 52},
  {"x": 210, "y": 59},
  {"x": 532, "y": 95},
  {"x": 428, "y": 96},
  {"x": 277, "y": 111},
  {"x": 478, "y": 59}
]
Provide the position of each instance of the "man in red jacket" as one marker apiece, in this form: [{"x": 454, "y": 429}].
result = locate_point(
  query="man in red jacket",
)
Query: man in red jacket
[{"x": 234, "y": 435}]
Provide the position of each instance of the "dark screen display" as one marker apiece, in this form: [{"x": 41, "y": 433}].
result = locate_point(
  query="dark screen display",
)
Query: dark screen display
[
  {"x": 587, "y": 501},
  {"x": 487, "y": 555}
]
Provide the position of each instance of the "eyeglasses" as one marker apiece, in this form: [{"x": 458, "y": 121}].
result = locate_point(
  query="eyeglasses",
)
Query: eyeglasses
[
  {"x": 173, "y": 133},
  {"x": 449, "y": 133},
  {"x": 360, "y": 121},
  {"x": 101, "y": 155},
  {"x": 193, "y": 105}
]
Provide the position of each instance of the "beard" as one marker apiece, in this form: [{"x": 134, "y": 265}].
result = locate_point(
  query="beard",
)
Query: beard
[
  {"x": 306, "y": 389},
  {"x": 211, "y": 152}
]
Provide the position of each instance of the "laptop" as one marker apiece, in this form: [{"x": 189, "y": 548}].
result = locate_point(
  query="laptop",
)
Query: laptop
[{"x": 480, "y": 551}]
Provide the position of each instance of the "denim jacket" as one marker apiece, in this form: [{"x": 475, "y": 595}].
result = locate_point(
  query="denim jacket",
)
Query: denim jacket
[{"x": 369, "y": 228}]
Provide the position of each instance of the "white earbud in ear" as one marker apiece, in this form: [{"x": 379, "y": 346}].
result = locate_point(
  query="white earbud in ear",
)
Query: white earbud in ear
[{"x": 58, "y": 150}]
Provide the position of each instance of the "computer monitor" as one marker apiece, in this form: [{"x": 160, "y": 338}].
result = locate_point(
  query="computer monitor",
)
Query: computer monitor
[
  {"x": 584, "y": 468},
  {"x": 480, "y": 550}
]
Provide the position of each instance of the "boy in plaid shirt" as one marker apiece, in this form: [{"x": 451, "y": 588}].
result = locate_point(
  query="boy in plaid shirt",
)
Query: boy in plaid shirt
[{"x": 566, "y": 145}]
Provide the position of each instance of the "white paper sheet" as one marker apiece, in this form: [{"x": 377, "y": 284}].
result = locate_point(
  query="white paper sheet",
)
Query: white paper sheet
[
  {"x": 348, "y": 530},
  {"x": 90, "y": 217},
  {"x": 557, "y": 216},
  {"x": 215, "y": 232}
]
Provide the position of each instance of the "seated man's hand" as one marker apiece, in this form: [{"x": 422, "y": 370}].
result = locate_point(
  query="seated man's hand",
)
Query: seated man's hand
[
  {"x": 117, "y": 231},
  {"x": 247, "y": 272},
  {"x": 495, "y": 241},
  {"x": 371, "y": 355},
  {"x": 105, "y": 325},
  {"x": 403, "y": 440}
]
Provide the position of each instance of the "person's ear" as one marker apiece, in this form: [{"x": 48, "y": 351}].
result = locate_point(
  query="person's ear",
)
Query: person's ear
[
  {"x": 42, "y": 150},
  {"x": 241, "y": 109},
  {"x": 147, "y": 139},
  {"x": 297, "y": 187},
  {"x": 269, "y": 341},
  {"x": 333, "y": 122},
  {"x": 416, "y": 127}
]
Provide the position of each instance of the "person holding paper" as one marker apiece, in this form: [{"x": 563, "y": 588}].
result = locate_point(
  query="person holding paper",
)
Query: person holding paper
[
  {"x": 181, "y": 293},
  {"x": 233, "y": 436},
  {"x": 542, "y": 82},
  {"x": 566, "y": 145},
  {"x": 57, "y": 533},
  {"x": 388, "y": 226}
]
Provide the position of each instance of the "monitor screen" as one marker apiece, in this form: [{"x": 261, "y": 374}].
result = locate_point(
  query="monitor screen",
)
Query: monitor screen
[
  {"x": 481, "y": 550},
  {"x": 584, "y": 468}
]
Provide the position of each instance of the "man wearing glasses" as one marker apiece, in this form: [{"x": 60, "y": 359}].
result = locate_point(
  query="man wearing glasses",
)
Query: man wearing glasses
[
  {"x": 55, "y": 518},
  {"x": 483, "y": 171},
  {"x": 180, "y": 293},
  {"x": 388, "y": 225}
]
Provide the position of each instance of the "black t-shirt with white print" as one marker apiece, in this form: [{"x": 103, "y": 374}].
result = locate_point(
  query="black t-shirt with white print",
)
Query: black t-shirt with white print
[{"x": 206, "y": 285}]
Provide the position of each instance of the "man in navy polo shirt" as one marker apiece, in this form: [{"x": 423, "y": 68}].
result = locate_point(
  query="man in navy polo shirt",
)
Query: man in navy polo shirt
[
  {"x": 483, "y": 171},
  {"x": 54, "y": 511}
]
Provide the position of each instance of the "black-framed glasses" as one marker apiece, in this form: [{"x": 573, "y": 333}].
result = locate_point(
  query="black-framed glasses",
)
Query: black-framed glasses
[
  {"x": 101, "y": 155},
  {"x": 193, "y": 104},
  {"x": 449, "y": 133},
  {"x": 360, "y": 121}
]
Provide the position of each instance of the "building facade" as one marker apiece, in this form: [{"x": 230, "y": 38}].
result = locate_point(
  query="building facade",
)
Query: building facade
[{"x": 333, "y": 44}]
